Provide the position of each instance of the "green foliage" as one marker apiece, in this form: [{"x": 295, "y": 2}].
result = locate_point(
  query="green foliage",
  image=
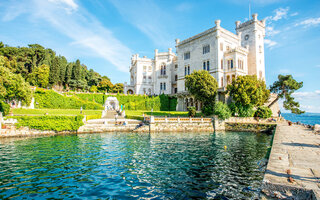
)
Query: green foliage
[
  {"x": 93, "y": 88},
  {"x": 105, "y": 85},
  {"x": 207, "y": 109},
  {"x": 158, "y": 113},
  {"x": 55, "y": 123},
  {"x": 248, "y": 90},
  {"x": 39, "y": 76},
  {"x": 66, "y": 112},
  {"x": 13, "y": 87},
  {"x": 241, "y": 111},
  {"x": 4, "y": 108},
  {"x": 117, "y": 88},
  {"x": 88, "y": 117},
  {"x": 263, "y": 112},
  {"x": 51, "y": 99},
  {"x": 26, "y": 61},
  {"x": 192, "y": 111},
  {"x": 202, "y": 86},
  {"x": 222, "y": 110},
  {"x": 167, "y": 103},
  {"x": 285, "y": 86}
]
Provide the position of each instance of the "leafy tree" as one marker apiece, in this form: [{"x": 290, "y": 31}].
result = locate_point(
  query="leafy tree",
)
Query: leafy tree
[
  {"x": 239, "y": 110},
  {"x": 13, "y": 87},
  {"x": 93, "y": 88},
  {"x": 248, "y": 90},
  {"x": 222, "y": 110},
  {"x": 105, "y": 85},
  {"x": 54, "y": 72},
  {"x": 284, "y": 87},
  {"x": 263, "y": 112},
  {"x": 76, "y": 71},
  {"x": 204, "y": 88},
  {"x": 192, "y": 111},
  {"x": 117, "y": 88},
  {"x": 40, "y": 76}
]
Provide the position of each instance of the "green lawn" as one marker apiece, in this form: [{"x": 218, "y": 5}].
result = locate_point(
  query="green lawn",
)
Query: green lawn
[{"x": 21, "y": 111}]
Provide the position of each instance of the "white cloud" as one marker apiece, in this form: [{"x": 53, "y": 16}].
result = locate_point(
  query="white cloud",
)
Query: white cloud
[
  {"x": 70, "y": 3},
  {"x": 307, "y": 95},
  {"x": 80, "y": 26},
  {"x": 309, "y": 22},
  {"x": 280, "y": 13},
  {"x": 270, "y": 43},
  {"x": 149, "y": 18},
  {"x": 294, "y": 14},
  {"x": 270, "y": 31},
  {"x": 182, "y": 7}
]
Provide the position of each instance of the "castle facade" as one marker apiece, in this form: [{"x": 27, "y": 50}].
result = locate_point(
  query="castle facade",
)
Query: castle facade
[{"x": 225, "y": 55}]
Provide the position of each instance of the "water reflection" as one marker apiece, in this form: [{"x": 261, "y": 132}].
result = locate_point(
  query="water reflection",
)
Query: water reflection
[{"x": 130, "y": 166}]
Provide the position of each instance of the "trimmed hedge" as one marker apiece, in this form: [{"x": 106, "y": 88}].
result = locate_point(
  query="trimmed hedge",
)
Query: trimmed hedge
[
  {"x": 54, "y": 123},
  {"x": 51, "y": 99},
  {"x": 88, "y": 117}
]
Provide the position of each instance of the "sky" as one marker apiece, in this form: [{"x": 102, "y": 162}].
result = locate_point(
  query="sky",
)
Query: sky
[{"x": 104, "y": 34}]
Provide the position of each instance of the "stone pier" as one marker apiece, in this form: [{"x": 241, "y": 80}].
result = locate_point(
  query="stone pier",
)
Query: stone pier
[{"x": 293, "y": 170}]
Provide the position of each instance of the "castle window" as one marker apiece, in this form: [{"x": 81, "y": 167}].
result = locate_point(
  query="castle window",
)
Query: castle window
[
  {"x": 188, "y": 70},
  {"x": 176, "y": 77},
  {"x": 240, "y": 64},
  {"x": 175, "y": 90},
  {"x": 221, "y": 81},
  {"x": 221, "y": 63},
  {"x": 164, "y": 86},
  {"x": 150, "y": 68},
  {"x": 204, "y": 65},
  {"x": 208, "y": 65},
  {"x": 163, "y": 69},
  {"x": 206, "y": 49},
  {"x": 144, "y": 78},
  {"x": 230, "y": 64},
  {"x": 160, "y": 86},
  {"x": 260, "y": 74},
  {"x": 221, "y": 46},
  {"x": 260, "y": 49},
  {"x": 176, "y": 66},
  {"x": 185, "y": 70},
  {"x": 187, "y": 55}
]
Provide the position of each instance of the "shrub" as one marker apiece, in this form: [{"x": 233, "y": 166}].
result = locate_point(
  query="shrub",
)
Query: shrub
[
  {"x": 222, "y": 110},
  {"x": 51, "y": 99},
  {"x": 88, "y": 117},
  {"x": 192, "y": 111},
  {"x": 4, "y": 108},
  {"x": 263, "y": 112},
  {"x": 54, "y": 123},
  {"x": 240, "y": 110},
  {"x": 207, "y": 110}
]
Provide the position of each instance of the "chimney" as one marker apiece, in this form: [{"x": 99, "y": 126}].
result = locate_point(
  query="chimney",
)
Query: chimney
[
  {"x": 255, "y": 17},
  {"x": 217, "y": 22},
  {"x": 237, "y": 24},
  {"x": 177, "y": 41}
]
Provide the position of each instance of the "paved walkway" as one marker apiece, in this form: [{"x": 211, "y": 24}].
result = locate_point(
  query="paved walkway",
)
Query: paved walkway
[{"x": 293, "y": 170}]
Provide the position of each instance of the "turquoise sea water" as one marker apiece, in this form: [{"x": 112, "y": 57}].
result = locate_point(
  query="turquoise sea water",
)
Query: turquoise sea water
[
  {"x": 133, "y": 166},
  {"x": 305, "y": 118}
]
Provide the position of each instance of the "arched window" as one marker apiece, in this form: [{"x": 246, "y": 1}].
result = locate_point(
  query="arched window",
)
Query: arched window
[{"x": 221, "y": 81}]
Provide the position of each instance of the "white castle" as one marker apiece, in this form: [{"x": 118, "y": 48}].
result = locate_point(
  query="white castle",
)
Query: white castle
[{"x": 224, "y": 54}]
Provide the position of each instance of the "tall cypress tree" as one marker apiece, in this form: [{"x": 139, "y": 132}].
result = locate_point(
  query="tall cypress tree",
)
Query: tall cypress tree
[{"x": 54, "y": 72}]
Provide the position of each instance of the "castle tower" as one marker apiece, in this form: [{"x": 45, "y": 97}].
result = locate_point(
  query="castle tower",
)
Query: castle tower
[{"x": 252, "y": 37}]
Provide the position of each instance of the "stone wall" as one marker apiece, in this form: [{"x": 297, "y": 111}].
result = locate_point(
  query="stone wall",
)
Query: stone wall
[
  {"x": 249, "y": 127},
  {"x": 177, "y": 127}
]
